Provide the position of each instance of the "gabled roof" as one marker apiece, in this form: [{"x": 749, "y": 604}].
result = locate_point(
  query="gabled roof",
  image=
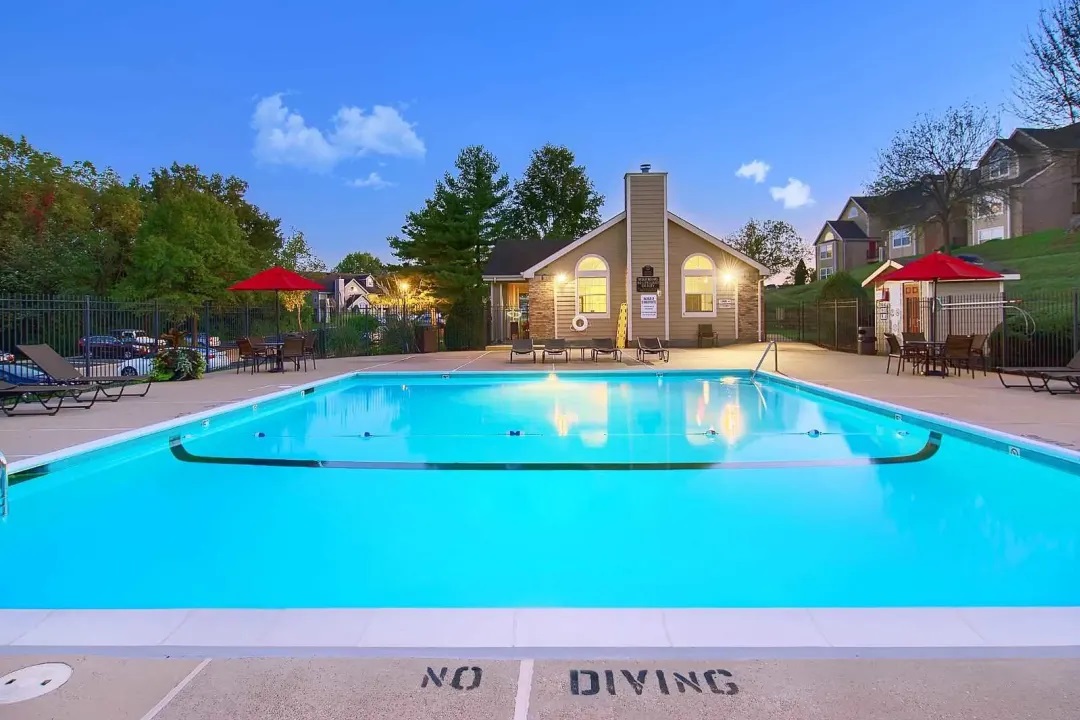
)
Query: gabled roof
[
  {"x": 523, "y": 258},
  {"x": 329, "y": 279},
  {"x": 847, "y": 229},
  {"x": 1062, "y": 138},
  {"x": 908, "y": 206}
]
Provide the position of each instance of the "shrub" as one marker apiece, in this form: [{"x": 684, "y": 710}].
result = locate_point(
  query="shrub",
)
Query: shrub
[
  {"x": 178, "y": 364},
  {"x": 466, "y": 326},
  {"x": 353, "y": 336},
  {"x": 842, "y": 286}
]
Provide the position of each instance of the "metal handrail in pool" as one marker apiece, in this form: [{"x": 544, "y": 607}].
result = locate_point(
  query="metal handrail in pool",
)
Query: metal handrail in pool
[
  {"x": 3, "y": 485},
  {"x": 776, "y": 359}
]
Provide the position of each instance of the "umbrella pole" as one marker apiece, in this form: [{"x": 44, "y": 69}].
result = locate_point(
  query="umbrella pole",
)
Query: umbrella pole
[{"x": 277, "y": 323}]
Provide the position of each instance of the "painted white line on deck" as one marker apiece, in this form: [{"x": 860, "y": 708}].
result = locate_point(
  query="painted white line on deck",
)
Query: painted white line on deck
[
  {"x": 175, "y": 691},
  {"x": 389, "y": 362},
  {"x": 472, "y": 361},
  {"x": 524, "y": 690}
]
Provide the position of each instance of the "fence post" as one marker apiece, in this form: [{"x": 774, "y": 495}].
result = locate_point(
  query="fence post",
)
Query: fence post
[
  {"x": 157, "y": 322},
  {"x": 247, "y": 321},
  {"x": 86, "y": 335},
  {"x": 206, "y": 325},
  {"x": 1076, "y": 321}
]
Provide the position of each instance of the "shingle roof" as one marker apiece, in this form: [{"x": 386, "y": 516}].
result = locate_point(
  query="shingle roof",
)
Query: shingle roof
[
  {"x": 847, "y": 229},
  {"x": 513, "y": 257},
  {"x": 329, "y": 279},
  {"x": 966, "y": 257},
  {"x": 1062, "y": 138},
  {"x": 907, "y": 206}
]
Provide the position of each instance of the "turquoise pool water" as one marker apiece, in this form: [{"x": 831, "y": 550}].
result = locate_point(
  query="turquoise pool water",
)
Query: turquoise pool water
[{"x": 617, "y": 490}]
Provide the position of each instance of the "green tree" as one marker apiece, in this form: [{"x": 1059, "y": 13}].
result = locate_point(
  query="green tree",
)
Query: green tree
[
  {"x": 842, "y": 286},
  {"x": 297, "y": 255},
  {"x": 554, "y": 197},
  {"x": 450, "y": 239},
  {"x": 189, "y": 249},
  {"x": 361, "y": 262},
  {"x": 800, "y": 275},
  {"x": 773, "y": 243}
]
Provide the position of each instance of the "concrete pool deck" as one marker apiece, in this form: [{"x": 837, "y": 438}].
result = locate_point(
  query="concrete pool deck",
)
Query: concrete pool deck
[{"x": 365, "y": 664}]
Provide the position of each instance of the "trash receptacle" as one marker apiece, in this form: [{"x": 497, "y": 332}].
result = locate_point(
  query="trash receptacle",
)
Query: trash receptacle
[
  {"x": 426, "y": 339},
  {"x": 867, "y": 341}
]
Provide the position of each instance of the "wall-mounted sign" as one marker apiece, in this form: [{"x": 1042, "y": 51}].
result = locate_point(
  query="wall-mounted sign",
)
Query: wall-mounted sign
[
  {"x": 648, "y": 283},
  {"x": 647, "y": 271},
  {"x": 648, "y": 307},
  {"x": 725, "y": 303}
]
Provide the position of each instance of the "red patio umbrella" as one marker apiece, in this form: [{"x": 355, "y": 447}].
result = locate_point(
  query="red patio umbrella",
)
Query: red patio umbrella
[
  {"x": 276, "y": 279},
  {"x": 936, "y": 267}
]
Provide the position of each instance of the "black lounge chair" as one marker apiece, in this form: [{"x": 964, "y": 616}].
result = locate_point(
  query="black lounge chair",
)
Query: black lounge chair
[
  {"x": 11, "y": 396},
  {"x": 1039, "y": 378},
  {"x": 556, "y": 348},
  {"x": 606, "y": 346},
  {"x": 651, "y": 346},
  {"x": 61, "y": 372},
  {"x": 522, "y": 347}
]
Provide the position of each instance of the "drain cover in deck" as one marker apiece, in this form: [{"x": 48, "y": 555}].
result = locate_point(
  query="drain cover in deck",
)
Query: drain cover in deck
[{"x": 34, "y": 681}]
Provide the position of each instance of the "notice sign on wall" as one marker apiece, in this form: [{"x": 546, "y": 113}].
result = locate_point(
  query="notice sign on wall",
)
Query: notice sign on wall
[
  {"x": 648, "y": 307},
  {"x": 725, "y": 303}
]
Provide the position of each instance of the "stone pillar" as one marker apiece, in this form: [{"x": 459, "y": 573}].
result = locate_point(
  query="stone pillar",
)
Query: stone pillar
[
  {"x": 541, "y": 308},
  {"x": 748, "y": 311}
]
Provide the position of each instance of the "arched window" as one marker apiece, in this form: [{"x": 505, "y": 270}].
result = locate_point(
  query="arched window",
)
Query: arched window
[
  {"x": 699, "y": 286},
  {"x": 592, "y": 285}
]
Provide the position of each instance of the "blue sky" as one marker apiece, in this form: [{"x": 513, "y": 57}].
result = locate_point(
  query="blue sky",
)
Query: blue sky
[{"x": 341, "y": 115}]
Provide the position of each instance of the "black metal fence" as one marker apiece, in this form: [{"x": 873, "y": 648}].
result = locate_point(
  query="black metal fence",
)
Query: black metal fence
[
  {"x": 108, "y": 337},
  {"x": 1036, "y": 330}
]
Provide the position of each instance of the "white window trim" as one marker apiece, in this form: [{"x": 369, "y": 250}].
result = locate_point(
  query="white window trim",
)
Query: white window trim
[
  {"x": 826, "y": 246},
  {"x": 605, "y": 273},
  {"x": 698, "y": 273},
  {"x": 825, "y": 272},
  {"x": 892, "y": 238},
  {"x": 852, "y": 212}
]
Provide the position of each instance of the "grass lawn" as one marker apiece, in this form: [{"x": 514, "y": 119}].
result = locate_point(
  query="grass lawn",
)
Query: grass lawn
[{"x": 1048, "y": 262}]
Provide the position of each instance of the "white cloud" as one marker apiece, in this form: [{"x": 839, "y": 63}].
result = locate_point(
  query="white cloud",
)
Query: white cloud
[
  {"x": 283, "y": 137},
  {"x": 373, "y": 181},
  {"x": 755, "y": 169},
  {"x": 795, "y": 194}
]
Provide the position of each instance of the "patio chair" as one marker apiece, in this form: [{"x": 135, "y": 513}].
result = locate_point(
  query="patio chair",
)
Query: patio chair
[
  {"x": 705, "y": 332},
  {"x": 309, "y": 349},
  {"x": 1069, "y": 373},
  {"x": 556, "y": 348},
  {"x": 957, "y": 353},
  {"x": 913, "y": 336},
  {"x": 62, "y": 372},
  {"x": 11, "y": 396},
  {"x": 978, "y": 351},
  {"x": 292, "y": 348},
  {"x": 249, "y": 354},
  {"x": 895, "y": 351},
  {"x": 522, "y": 346},
  {"x": 605, "y": 346},
  {"x": 651, "y": 346}
]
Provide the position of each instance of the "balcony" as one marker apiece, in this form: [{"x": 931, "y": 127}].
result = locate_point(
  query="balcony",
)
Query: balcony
[{"x": 875, "y": 252}]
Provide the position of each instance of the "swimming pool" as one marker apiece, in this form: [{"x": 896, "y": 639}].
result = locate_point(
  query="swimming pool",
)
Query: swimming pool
[{"x": 622, "y": 490}]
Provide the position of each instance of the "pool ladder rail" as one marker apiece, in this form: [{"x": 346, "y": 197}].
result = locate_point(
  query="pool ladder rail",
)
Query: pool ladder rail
[
  {"x": 771, "y": 345},
  {"x": 3, "y": 485}
]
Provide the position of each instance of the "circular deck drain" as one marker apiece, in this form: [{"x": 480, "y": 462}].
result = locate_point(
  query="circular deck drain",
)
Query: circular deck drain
[{"x": 34, "y": 681}]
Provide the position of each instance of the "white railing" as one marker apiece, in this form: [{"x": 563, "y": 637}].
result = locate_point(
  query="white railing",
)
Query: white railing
[{"x": 771, "y": 345}]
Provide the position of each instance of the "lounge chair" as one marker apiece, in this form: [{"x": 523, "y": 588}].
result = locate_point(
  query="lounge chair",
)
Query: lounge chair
[
  {"x": 522, "y": 346},
  {"x": 556, "y": 348},
  {"x": 705, "y": 332},
  {"x": 11, "y": 396},
  {"x": 651, "y": 346},
  {"x": 62, "y": 372},
  {"x": 605, "y": 346},
  {"x": 1069, "y": 374}
]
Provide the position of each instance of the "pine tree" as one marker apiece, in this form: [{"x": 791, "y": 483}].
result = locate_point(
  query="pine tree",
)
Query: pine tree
[{"x": 800, "y": 275}]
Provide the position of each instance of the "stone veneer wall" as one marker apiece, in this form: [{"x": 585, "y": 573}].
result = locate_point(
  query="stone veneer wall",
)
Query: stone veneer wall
[
  {"x": 748, "y": 312},
  {"x": 541, "y": 308}
]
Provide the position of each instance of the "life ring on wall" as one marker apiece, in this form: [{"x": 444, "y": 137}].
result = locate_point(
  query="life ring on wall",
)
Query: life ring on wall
[{"x": 580, "y": 323}]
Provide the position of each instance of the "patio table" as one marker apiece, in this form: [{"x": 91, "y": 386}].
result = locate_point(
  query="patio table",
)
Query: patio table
[
  {"x": 273, "y": 347},
  {"x": 935, "y": 356}
]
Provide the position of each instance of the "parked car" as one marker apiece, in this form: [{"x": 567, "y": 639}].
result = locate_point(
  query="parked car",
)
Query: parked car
[
  {"x": 22, "y": 374},
  {"x": 140, "y": 337},
  {"x": 212, "y": 341},
  {"x": 143, "y": 365},
  {"x": 106, "y": 346},
  {"x": 6, "y": 357}
]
